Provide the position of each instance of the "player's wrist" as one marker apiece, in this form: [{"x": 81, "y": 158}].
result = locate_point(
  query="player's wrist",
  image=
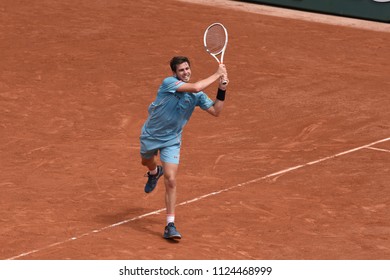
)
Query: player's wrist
[{"x": 221, "y": 94}]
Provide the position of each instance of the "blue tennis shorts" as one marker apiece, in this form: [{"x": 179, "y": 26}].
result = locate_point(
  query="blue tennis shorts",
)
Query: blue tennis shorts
[{"x": 169, "y": 152}]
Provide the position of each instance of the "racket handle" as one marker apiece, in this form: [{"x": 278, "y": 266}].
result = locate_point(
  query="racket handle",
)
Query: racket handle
[{"x": 224, "y": 81}]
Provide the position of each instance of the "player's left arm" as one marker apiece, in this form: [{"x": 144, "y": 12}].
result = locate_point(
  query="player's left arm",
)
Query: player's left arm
[{"x": 217, "y": 107}]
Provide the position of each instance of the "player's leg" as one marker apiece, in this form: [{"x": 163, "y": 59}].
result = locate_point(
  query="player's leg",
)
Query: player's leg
[
  {"x": 150, "y": 163},
  {"x": 170, "y": 160},
  {"x": 170, "y": 172},
  {"x": 154, "y": 173},
  {"x": 149, "y": 151}
]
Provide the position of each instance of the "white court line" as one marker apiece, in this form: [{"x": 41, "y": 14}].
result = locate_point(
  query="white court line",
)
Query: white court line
[
  {"x": 377, "y": 149},
  {"x": 284, "y": 171}
]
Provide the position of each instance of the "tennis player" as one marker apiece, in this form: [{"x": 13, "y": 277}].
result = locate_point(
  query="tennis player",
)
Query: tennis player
[{"x": 162, "y": 132}]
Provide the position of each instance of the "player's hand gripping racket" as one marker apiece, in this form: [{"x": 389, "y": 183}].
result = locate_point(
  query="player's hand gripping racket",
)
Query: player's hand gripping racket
[{"x": 215, "y": 40}]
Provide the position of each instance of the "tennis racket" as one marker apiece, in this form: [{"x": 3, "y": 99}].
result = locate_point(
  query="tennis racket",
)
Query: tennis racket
[{"x": 215, "y": 40}]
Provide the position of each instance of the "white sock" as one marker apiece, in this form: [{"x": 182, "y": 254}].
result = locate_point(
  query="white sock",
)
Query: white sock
[
  {"x": 153, "y": 172},
  {"x": 170, "y": 218}
]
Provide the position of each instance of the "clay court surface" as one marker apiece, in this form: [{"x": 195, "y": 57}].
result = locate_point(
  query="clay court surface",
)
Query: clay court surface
[{"x": 296, "y": 167}]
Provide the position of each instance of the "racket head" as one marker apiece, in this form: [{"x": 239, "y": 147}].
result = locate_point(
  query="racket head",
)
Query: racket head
[{"x": 215, "y": 39}]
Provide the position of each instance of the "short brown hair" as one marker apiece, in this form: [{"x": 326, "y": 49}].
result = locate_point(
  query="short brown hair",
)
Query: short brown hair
[{"x": 178, "y": 60}]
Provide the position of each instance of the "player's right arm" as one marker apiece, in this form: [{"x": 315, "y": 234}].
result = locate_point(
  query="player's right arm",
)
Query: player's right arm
[
  {"x": 202, "y": 84},
  {"x": 217, "y": 107}
]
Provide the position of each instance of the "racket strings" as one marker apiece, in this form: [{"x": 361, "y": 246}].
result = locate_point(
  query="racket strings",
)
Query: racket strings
[{"x": 215, "y": 39}]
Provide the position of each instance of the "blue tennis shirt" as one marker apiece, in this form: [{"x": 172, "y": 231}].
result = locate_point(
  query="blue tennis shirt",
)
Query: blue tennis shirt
[{"x": 171, "y": 110}]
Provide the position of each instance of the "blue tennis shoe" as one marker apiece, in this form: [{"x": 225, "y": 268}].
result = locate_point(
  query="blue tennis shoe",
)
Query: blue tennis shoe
[
  {"x": 153, "y": 179},
  {"x": 170, "y": 232}
]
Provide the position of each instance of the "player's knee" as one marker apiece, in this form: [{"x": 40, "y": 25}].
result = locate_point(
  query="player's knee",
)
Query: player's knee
[{"x": 170, "y": 182}]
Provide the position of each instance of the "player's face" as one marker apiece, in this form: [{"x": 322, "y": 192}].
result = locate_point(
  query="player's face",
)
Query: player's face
[{"x": 183, "y": 72}]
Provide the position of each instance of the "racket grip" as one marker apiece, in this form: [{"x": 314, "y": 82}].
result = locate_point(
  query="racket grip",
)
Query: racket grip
[{"x": 224, "y": 81}]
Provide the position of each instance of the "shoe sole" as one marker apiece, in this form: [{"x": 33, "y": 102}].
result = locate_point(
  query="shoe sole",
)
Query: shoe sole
[{"x": 174, "y": 237}]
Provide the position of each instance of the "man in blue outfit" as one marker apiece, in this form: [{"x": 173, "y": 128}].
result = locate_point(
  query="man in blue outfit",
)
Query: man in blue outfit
[{"x": 168, "y": 114}]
